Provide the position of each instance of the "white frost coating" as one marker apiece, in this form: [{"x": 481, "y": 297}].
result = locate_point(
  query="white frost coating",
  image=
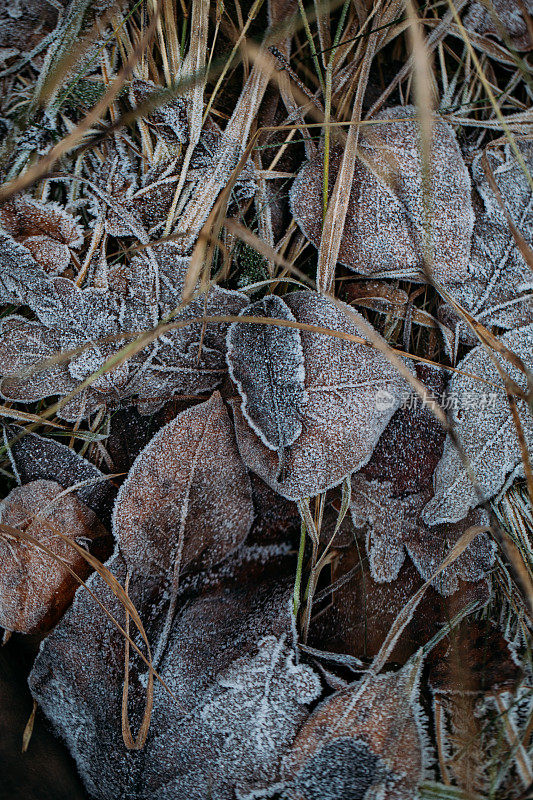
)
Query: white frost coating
[
  {"x": 384, "y": 229},
  {"x": 485, "y": 428},
  {"x": 498, "y": 290},
  {"x": 206, "y": 740},
  {"x": 393, "y": 526},
  {"x": 176, "y": 508},
  {"x": 342, "y": 420},
  {"x": 510, "y": 14},
  {"x": 367, "y": 740},
  {"x": 267, "y": 364}
]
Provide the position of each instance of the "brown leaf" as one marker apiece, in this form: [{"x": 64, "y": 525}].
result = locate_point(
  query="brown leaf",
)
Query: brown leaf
[
  {"x": 365, "y": 740},
  {"x": 187, "y": 499},
  {"x": 361, "y": 610},
  {"x": 510, "y": 16},
  {"x": 384, "y": 228},
  {"x": 341, "y": 421},
  {"x": 35, "y": 590}
]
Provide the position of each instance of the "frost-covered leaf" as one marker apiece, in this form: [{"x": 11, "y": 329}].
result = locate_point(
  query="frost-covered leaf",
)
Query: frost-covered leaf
[
  {"x": 168, "y": 119},
  {"x": 35, "y": 589},
  {"x": 189, "y": 359},
  {"x": 341, "y": 420},
  {"x": 35, "y": 457},
  {"x": 266, "y": 362},
  {"x": 384, "y": 229},
  {"x": 45, "y": 229},
  {"x": 24, "y": 24},
  {"x": 510, "y": 15},
  {"x": 234, "y": 710},
  {"x": 22, "y": 280},
  {"x": 393, "y": 525},
  {"x": 187, "y": 499},
  {"x": 411, "y": 445},
  {"x": 367, "y": 740},
  {"x": 499, "y": 288},
  {"x": 484, "y": 425}
]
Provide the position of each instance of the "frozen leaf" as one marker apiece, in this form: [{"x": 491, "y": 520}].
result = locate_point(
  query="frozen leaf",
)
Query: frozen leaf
[
  {"x": 266, "y": 362},
  {"x": 225, "y": 690},
  {"x": 361, "y": 611},
  {"x": 390, "y": 521},
  {"x": 393, "y": 525},
  {"x": 35, "y": 589},
  {"x": 510, "y": 15},
  {"x": 35, "y": 457},
  {"x": 366, "y": 740},
  {"x": 484, "y": 425},
  {"x": 499, "y": 288},
  {"x": 188, "y": 359},
  {"x": 429, "y": 547},
  {"x": 384, "y": 230},
  {"x": 342, "y": 418},
  {"x": 24, "y": 24},
  {"x": 168, "y": 119},
  {"x": 187, "y": 499},
  {"x": 249, "y": 702},
  {"x": 45, "y": 229},
  {"x": 22, "y": 280}
]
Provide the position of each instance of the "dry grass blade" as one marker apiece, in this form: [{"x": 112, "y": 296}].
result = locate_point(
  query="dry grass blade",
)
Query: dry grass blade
[{"x": 194, "y": 65}]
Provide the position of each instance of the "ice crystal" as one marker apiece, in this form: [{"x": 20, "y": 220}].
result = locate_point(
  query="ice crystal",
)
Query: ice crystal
[
  {"x": 189, "y": 358},
  {"x": 168, "y": 119},
  {"x": 485, "y": 428},
  {"x": 384, "y": 229},
  {"x": 174, "y": 510},
  {"x": 499, "y": 289},
  {"x": 393, "y": 526},
  {"x": 342, "y": 418},
  {"x": 22, "y": 280},
  {"x": 35, "y": 589},
  {"x": 266, "y": 362},
  {"x": 34, "y": 457}
]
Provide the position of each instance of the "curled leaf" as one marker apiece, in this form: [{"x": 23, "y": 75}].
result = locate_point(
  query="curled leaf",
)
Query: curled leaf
[
  {"x": 266, "y": 362},
  {"x": 352, "y": 392}
]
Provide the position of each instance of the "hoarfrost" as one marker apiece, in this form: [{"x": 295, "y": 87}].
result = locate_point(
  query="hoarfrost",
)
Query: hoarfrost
[
  {"x": 220, "y": 642},
  {"x": 341, "y": 421},
  {"x": 499, "y": 288},
  {"x": 33, "y": 457},
  {"x": 510, "y": 15},
  {"x": 45, "y": 229},
  {"x": 485, "y": 428},
  {"x": 384, "y": 229},
  {"x": 365, "y": 740},
  {"x": 176, "y": 508},
  {"x": 266, "y": 362},
  {"x": 393, "y": 525}
]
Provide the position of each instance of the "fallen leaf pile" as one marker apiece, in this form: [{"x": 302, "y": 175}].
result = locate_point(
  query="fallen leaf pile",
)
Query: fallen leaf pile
[{"x": 266, "y": 391}]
